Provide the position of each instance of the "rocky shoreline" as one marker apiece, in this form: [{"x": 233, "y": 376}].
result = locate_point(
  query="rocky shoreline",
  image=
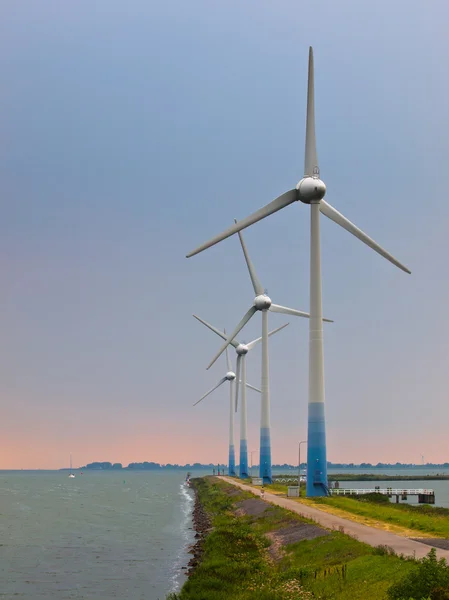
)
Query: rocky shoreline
[{"x": 201, "y": 525}]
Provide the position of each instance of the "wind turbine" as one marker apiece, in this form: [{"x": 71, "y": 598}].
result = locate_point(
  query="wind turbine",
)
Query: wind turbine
[
  {"x": 241, "y": 351},
  {"x": 311, "y": 190},
  {"x": 230, "y": 376},
  {"x": 261, "y": 303}
]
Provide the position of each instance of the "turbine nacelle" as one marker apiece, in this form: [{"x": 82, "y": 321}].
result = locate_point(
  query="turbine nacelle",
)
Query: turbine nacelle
[
  {"x": 242, "y": 349},
  {"x": 230, "y": 376},
  {"x": 262, "y": 302},
  {"x": 311, "y": 189}
]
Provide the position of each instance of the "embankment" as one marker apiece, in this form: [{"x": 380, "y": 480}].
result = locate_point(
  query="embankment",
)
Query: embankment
[
  {"x": 201, "y": 525},
  {"x": 250, "y": 549}
]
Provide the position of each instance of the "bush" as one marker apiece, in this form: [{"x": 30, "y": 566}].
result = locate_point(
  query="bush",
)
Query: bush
[
  {"x": 440, "y": 594},
  {"x": 429, "y": 580},
  {"x": 384, "y": 550},
  {"x": 374, "y": 497}
]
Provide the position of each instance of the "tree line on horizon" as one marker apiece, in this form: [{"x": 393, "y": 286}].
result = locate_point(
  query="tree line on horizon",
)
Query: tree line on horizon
[{"x": 153, "y": 466}]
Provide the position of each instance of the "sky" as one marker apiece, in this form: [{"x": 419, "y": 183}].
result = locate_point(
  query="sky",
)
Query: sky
[{"x": 132, "y": 132}]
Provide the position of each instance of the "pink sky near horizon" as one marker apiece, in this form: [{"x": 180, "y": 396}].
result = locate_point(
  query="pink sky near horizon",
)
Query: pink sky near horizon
[{"x": 45, "y": 448}]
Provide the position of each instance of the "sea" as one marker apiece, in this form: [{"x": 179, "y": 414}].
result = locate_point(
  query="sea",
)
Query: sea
[
  {"x": 102, "y": 535},
  {"x": 112, "y": 534}
]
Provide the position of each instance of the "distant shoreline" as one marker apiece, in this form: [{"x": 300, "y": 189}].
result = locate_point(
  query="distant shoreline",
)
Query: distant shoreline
[{"x": 152, "y": 466}]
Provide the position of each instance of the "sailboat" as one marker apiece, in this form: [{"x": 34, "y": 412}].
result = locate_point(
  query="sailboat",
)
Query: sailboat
[{"x": 71, "y": 475}]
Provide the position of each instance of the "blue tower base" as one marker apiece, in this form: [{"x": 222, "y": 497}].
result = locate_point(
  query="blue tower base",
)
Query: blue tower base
[
  {"x": 243, "y": 459},
  {"x": 316, "y": 452},
  {"x": 231, "y": 463},
  {"x": 265, "y": 455}
]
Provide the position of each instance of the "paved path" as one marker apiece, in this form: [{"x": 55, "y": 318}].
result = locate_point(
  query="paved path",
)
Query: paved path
[{"x": 363, "y": 533}]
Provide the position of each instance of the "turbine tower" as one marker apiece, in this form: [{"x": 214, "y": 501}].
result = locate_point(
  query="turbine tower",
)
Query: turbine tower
[
  {"x": 230, "y": 376},
  {"x": 311, "y": 190},
  {"x": 263, "y": 304},
  {"x": 241, "y": 351}
]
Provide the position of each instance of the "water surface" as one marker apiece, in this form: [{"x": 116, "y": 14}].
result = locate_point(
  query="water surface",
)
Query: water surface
[{"x": 102, "y": 535}]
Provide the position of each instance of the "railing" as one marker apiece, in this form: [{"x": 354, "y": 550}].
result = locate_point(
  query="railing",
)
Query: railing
[
  {"x": 386, "y": 491},
  {"x": 288, "y": 479}
]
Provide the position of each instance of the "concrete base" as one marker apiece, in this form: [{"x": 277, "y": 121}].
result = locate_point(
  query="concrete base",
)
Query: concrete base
[
  {"x": 317, "y": 484},
  {"x": 265, "y": 456}
]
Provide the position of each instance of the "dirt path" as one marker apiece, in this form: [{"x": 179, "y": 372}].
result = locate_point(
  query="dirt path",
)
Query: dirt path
[{"x": 363, "y": 533}]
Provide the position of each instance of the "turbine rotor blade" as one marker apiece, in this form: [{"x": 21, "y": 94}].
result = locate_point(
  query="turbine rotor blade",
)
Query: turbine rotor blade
[
  {"x": 288, "y": 311},
  {"x": 240, "y": 326},
  {"x": 251, "y": 345},
  {"x": 258, "y": 289},
  {"x": 291, "y": 311},
  {"x": 280, "y": 202},
  {"x": 237, "y": 381},
  {"x": 215, "y": 330},
  {"x": 228, "y": 360},
  {"x": 311, "y": 168},
  {"x": 332, "y": 214},
  {"x": 251, "y": 387},
  {"x": 210, "y": 391}
]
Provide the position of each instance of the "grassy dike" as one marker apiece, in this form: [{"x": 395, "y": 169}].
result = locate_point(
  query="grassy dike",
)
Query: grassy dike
[
  {"x": 242, "y": 557},
  {"x": 415, "y": 521},
  {"x": 403, "y": 519},
  {"x": 429, "y": 520}
]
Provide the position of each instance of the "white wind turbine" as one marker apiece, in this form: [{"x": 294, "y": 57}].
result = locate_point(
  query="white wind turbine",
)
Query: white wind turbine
[
  {"x": 263, "y": 304},
  {"x": 241, "y": 351},
  {"x": 311, "y": 190},
  {"x": 230, "y": 376}
]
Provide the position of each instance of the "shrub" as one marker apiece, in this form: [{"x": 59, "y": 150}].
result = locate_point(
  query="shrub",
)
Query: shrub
[
  {"x": 373, "y": 497},
  {"x": 384, "y": 550},
  {"x": 429, "y": 580},
  {"x": 440, "y": 594}
]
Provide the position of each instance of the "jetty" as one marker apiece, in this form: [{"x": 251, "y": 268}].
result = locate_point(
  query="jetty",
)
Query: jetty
[{"x": 424, "y": 496}]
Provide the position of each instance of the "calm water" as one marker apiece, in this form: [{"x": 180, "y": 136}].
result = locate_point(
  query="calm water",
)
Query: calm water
[{"x": 102, "y": 535}]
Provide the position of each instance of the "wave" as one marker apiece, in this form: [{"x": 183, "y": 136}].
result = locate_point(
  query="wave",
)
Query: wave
[{"x": 186, "y": 507}]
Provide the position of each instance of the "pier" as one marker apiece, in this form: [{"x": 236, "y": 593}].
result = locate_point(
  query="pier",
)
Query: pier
[{"x": 424, "y": 496}]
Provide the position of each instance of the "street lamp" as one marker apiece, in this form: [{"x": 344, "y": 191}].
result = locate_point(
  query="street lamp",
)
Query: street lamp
[
  {"x": 299, "y": 461},
  {"x": 252, "y": 452}
]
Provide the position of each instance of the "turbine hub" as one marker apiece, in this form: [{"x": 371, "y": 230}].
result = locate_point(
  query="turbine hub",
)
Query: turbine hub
[
  {"x": 311, "y": 190},
  {"x": 230, "y": 376},
  {"x": 242, "y": 349},
  {"x": 262, "y": 302}
]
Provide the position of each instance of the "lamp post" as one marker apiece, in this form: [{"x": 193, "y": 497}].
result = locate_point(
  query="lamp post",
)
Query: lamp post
[
  {"x": 299, "y": 461},
  {"x": 252, "y": 452}
]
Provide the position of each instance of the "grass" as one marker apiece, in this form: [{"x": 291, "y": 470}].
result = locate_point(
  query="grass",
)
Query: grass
[
  {"x": 338, "y": 567},
  {"x": 428, "y": 520},
  {"x": 237, "y": 566},
  {"x": 403, "y": 519}
]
